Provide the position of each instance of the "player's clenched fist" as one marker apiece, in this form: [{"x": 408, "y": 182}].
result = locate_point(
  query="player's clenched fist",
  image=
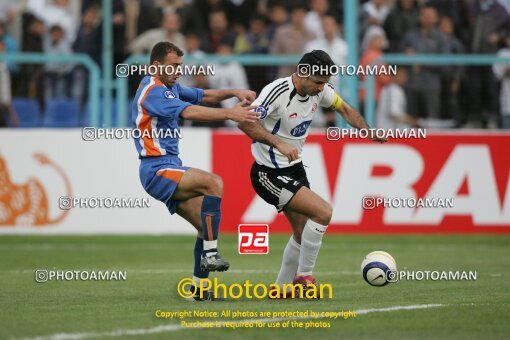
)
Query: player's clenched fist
[
  {"x": 241, "y": 113},
  {"x": 289, "y": 151}
]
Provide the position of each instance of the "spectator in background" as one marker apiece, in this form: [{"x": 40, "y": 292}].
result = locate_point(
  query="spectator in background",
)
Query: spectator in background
[
  {"x": 446, "y": 8},
  {"x": 119, "y": 32},
  {"x": 291, "y": 39},
  {"x": 169, "y": 31},
  {"x": 373, "y": 45},
  {"x": 313, "y": 19},
  {"x": 278, "y": 17},
  {"x": 89, "y": 38},
  {"x": 7, "y": 113},
  {"x": 392, "y": 107},
  {"x": 331, "y": 42},
  {"x": 149, "y": 15},
  {"x": 424, "y": 85},
  {"x": 33, "y": 85},
  {"x": 502, "y": 72},
  {"x": 55, "y": 75},
  {"x": 11, "y": 14},
  {"x": 255, "y": 41},
  {"x": 88, "y": 41},
  {"x": 192, "y": 48},
  {"x": 402, "y": 19},
  {"x": 244, "y": 11},
  {"x": 228, "y": 75},
  {"x": 218, "y": 33},
  {"x": 490, "y": 18},
  {"x": 451, "y": 78},
  {"x": 336, "y": 47},
  {"x": 8, "y": 10},
  {"x": 196, "y": 17},
  {"x": 11, "y": 46},
  {"x": 56, "y": 13},
  {"x": 373, "y": 12}
]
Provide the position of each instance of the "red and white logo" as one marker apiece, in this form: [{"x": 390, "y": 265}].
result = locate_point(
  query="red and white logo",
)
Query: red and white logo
[
  {"x": 314, "y": 107},
  {"x": 294, "y": 115},
  {"x": 253, "y": 238}
]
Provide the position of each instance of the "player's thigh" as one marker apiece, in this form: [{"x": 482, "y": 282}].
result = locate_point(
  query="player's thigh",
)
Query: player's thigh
[
  {"x": 308, "y": 203},
  {"x": 196, "y": 182},
  {"x": 297, "y": 221},
  {"x": 190, "y": 210}
]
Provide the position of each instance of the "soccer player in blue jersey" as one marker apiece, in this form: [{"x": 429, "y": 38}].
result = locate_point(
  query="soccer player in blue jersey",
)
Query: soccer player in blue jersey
[{"x": 191, "y": 193}]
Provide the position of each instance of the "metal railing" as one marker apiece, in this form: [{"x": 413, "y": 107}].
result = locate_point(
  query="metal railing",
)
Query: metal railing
[
  {"x": 121, "y": 84},
  {"x": 82, "y": 59}
]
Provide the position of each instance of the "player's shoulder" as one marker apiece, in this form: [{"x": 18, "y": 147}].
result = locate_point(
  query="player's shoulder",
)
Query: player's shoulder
[
  {"x": 329, "y": 90},
  {"x": 158, "y": 92},
  {"x": 276, "y": 90}
]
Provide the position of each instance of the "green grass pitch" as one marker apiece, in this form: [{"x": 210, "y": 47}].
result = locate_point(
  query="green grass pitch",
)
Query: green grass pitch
[{"x": 154, "y": 265}]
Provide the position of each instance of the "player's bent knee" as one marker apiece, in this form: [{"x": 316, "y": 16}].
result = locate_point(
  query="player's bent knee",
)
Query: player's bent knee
[
  {"x": 215, "y": 185},
  {"x": 324, "y": 214}
]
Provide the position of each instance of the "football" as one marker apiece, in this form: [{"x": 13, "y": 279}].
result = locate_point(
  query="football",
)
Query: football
[{"x": 378, "y": 267}]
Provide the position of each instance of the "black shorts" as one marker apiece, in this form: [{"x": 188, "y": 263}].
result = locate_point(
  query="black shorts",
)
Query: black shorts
[{"x": 278, "y": 186}]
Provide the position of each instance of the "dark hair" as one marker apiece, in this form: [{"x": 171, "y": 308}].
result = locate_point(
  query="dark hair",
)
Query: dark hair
[
  {"x": 317, "y": 58},
  {"x": 56, "y": 28},
  {"x": 258, "y": 17},
  {"x": 161, "y": 49}
]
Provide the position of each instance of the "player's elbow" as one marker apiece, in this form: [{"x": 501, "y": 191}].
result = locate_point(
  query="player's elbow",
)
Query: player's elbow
[
  {"x": 247, "y": 127},
  {"x": 187, "y": 113}
]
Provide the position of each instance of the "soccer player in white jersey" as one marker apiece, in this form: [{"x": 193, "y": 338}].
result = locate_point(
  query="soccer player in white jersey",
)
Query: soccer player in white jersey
[{"x": 287, "y": 107}]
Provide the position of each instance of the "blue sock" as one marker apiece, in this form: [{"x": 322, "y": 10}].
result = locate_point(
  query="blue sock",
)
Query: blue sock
[
  {"x": 211, "y": 216},
  {"x": 197, "y": 272}
]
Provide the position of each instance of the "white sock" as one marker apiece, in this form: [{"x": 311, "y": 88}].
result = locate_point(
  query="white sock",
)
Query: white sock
[
  {"x": 290, "y": 262},
  {"x": 197, "y": 281},
  {"x": 210, "y": 247},
  {"x": 311, "y": 241}
]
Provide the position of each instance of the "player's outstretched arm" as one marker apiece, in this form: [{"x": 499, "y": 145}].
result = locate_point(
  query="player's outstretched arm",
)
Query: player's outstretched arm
[
  {"x": 216, "y": 96},
  {"x": 256, "y": 132},
  {"x": 352, "y": 116},
  {"x": 238, "y": 113}
]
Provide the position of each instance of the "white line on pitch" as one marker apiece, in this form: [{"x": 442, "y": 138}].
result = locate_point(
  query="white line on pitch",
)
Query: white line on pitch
[{"x": 171, "y": 328}]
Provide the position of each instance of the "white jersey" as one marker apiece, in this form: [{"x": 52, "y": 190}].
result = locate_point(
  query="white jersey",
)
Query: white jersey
[{"x": 286, "y": 114}]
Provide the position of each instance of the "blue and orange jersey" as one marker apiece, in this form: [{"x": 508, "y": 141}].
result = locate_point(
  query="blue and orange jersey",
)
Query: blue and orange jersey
[{"x": 157, "y": 107}]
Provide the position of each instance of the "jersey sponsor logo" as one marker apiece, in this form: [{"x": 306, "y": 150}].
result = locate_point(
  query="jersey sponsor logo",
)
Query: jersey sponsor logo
[
  {"x": 300, "y": 130},
  {"x": 293, "y": 115},
  {"x": 169, "y": 94},
  {"x": 314, "y": 107},
  {"x": 262, "y": 110}
]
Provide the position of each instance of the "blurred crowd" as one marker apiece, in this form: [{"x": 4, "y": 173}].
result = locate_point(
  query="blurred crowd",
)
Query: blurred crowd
[{"x": 420, "y": 95}]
